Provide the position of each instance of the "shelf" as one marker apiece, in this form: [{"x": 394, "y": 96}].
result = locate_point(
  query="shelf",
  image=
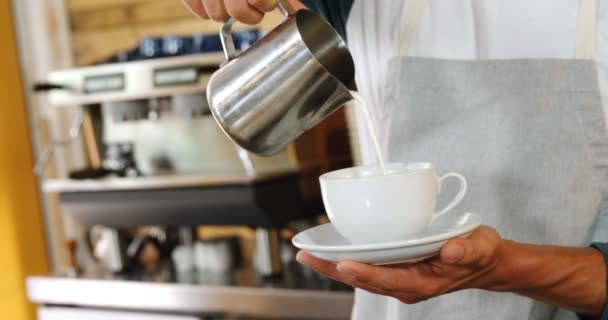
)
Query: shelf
[{"x": 157, "y": 182}]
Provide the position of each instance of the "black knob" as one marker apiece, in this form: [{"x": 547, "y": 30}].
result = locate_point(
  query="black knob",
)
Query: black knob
[{"x": 43, "y": 87}]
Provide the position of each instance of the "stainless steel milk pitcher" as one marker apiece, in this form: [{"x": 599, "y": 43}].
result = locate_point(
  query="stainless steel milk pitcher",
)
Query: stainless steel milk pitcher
[{"x": 284, "y": 84}]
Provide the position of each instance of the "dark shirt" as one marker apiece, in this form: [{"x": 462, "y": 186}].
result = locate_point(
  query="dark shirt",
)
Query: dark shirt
[
  {"x": 603, "y": 248},
  {"x": 334, "y": 11}
]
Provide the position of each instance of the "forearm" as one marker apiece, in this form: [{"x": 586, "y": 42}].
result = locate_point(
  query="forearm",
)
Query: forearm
[{"x": 573, "y": 278}]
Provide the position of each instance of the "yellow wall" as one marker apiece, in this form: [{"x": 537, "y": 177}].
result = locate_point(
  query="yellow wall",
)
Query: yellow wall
[{"x": 22, "y": 248}]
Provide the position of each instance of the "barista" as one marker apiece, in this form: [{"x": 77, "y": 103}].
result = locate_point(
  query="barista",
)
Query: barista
[{"x": 507, "y": 93}]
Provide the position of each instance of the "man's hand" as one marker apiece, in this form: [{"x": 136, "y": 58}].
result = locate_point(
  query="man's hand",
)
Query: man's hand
[
  {"x": 573, "y": 278},
  {"x": 246, "y": 11},
  {"x": 461, "y": 264}
]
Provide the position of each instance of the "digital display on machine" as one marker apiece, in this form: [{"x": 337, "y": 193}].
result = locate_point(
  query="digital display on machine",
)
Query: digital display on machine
[
  {"x": 104, "y": 83},
  {"x": 175, "y": 76}
]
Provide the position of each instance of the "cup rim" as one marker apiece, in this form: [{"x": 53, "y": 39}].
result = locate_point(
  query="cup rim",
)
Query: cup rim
[{"x": 342, "y": 174}]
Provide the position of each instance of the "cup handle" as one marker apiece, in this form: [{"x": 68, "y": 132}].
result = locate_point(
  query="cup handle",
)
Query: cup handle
[
  {"x": 457, "y": 198},
  {"x": 226, "y": 30}
]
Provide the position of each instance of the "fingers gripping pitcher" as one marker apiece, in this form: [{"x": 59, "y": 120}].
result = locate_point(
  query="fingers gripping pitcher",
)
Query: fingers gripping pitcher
[{"x": 284, "y": 84}]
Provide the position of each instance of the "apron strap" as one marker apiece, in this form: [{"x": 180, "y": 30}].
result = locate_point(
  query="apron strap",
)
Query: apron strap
[
  {"x": 586, "y": 25},
  {"x": 586, "y": 22}
]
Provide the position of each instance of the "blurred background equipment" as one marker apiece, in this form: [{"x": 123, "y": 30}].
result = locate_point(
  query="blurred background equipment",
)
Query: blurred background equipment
[{"x": 151, "y": 210}]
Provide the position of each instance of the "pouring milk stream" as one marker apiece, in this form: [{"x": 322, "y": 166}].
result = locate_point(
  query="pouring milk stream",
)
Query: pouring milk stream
[{"x": 370, "y": 127}]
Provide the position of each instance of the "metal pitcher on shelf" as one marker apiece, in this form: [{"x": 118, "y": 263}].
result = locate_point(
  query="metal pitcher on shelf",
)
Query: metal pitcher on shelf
[{"x": 283, "y": 85}]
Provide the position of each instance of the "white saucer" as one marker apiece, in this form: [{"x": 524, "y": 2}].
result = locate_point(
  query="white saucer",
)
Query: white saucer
[{"x": 324, "y": 242}]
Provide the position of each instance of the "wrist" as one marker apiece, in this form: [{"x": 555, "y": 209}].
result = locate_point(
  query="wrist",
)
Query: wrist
[
  {"x": 523, "y": 267},
  {"x": 574, "y": 278},
  {"x": 511, "y": 265}
]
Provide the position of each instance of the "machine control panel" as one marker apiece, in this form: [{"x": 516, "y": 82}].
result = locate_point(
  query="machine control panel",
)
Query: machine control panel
[
  {"x": 133, "y": 80},
  {"x": 175, "y": 76},
  {"x": 104, "y": 83}
]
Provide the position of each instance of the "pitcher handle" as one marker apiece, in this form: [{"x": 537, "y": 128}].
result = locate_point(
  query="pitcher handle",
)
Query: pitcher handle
[
  {"x": 226, "y": 30},
  {"x": 227, "y": 41},
  {"x": 285, "y": 8}
]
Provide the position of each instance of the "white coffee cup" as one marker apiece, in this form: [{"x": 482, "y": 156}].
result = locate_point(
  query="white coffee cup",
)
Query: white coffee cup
[{"x": 367, "y": 206}]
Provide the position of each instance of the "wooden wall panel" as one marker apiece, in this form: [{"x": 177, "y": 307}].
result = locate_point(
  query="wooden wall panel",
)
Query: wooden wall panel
[
  {"x": 84, "y": 5},
  {"x": 105, "y": 18},
  {"x": 101, "y": 29},
  {"x": 125, "y": 15}
]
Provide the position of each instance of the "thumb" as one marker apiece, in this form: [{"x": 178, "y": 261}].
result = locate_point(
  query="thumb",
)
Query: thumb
[
  {"x": 452, "y": 252},
  {"x": 478, "y": 250}
]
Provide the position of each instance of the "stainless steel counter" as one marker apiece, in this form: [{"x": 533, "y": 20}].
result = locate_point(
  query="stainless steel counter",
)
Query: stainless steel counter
[{"x": 293, "y": 297}]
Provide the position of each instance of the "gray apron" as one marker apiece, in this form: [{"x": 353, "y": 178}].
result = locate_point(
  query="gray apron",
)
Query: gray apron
[{"x": 529, "y": 136}]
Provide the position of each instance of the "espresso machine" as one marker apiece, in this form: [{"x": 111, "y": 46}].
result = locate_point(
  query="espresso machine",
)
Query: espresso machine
[{"x": 159, "y": 168}]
